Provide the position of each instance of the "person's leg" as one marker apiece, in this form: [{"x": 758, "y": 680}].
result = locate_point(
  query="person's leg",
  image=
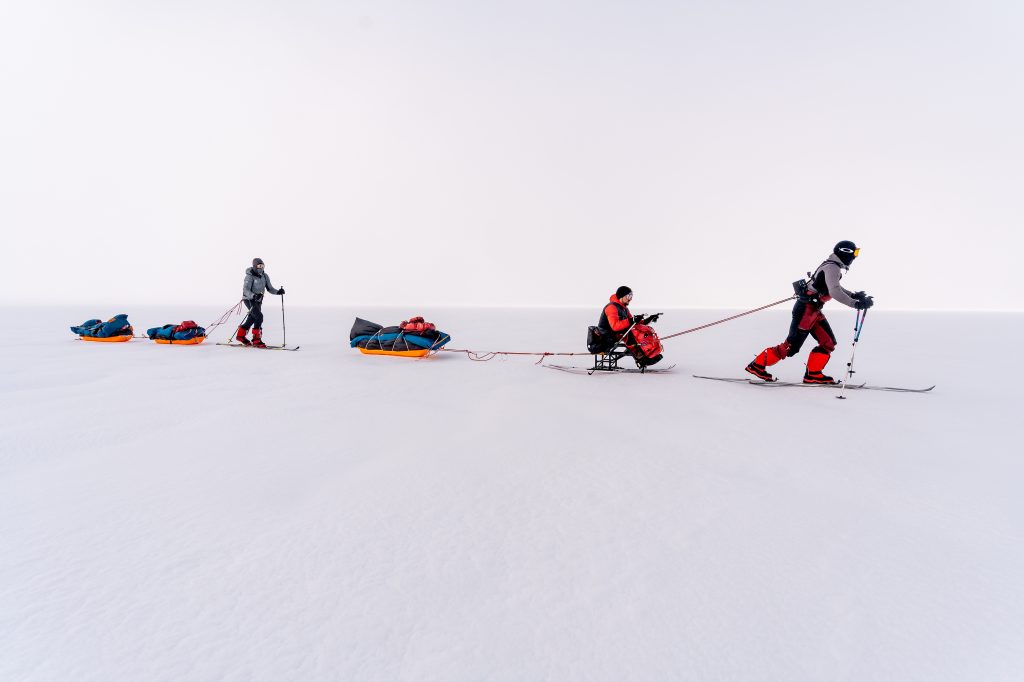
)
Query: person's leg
[
  {"x": 791, "y": 346},
  {"x": 256, "y": 312},
  {"x": 249, "y": 319},
  {"x": 257, "y": 329},
  {"x": 243, "y": 329},
  {"x": 821, "y": 353}
]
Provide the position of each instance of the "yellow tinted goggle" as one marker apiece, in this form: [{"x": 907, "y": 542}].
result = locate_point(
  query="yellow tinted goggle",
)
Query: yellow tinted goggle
[{"x": 856, "y": 252}]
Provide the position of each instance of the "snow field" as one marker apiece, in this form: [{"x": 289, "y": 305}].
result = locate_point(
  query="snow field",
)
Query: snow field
[{"x": 208, "y": 513}]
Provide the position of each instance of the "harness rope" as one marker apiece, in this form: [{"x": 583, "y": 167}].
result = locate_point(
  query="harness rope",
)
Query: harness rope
[
  {"x": 486, "y": 356},
  {"x": 727, "y": 319},
  {"x": 231, "y": 312}
]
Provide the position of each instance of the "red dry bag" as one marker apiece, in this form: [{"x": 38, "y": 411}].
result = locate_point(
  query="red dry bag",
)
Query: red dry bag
[{"x": 646, "y": 340}]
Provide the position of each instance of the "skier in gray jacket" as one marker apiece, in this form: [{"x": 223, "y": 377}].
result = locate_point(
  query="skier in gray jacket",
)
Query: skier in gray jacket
[
  {"x": 256, "y": 283},
  {"x": 808, "y": 319}
]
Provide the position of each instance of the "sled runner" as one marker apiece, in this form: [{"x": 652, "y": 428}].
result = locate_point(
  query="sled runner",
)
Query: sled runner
[
  {"x": 616, "y": 370},
  {"x": 106, "y": 339},
  {"x": 194, "y": 341},
  {"x": 400, "y": 353}
]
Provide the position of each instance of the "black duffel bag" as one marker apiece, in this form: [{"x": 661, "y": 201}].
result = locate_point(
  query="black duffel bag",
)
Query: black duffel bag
[{"x": 599, "y": 341}]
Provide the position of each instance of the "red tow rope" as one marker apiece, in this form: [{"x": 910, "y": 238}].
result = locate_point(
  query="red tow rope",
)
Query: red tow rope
[{"x": 727, "y": 319}]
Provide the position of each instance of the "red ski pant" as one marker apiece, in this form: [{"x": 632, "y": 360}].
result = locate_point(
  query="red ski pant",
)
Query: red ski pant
[{"x": 808, "y": 320}]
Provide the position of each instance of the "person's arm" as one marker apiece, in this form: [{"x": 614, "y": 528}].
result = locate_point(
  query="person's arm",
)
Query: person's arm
[
  {"x": 270, "y": 287},
  {"x": 247, "y": 287},
  {"x": 618, "y": 324},
  {"x": 835, "y": 290}
]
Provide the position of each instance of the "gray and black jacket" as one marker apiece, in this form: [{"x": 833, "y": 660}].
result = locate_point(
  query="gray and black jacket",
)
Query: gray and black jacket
[
  {"x": 825, "y": 282},
  {"x": 256, "y": 283}
]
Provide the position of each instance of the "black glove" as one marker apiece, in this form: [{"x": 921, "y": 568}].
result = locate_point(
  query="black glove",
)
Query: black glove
[
  {"x": 864, "y": 303},
  {"x": 859, "y": 295},
  {"x": 639, "y": 319},
  {"x": 280, "y": 291},
  {"x": 653, "y": 318}
]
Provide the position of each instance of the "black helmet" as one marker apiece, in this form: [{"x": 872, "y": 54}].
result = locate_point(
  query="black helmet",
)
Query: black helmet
[
  {"x": 846, "y": 251},
  {"x": 257, "y": 261},
  {"x": 623, "y": 291}
]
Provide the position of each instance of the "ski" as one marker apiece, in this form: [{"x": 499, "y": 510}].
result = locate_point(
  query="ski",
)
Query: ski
[
  {"x": 626, "y": 370},
  {"x": 850, "y": 387},
  {"x": 791, "y": 384},
  {"x": 800, "y": 384},
  {"x": 238, "y": 345},
  {"x": 898, "y": 389}
]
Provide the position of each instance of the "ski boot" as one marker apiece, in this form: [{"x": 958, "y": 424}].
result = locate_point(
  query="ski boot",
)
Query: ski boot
[
  {"x": 759, "y": 371},
  {"x": 257, "y": 339},
  {"x": 815, "y": 363},
  {"x": 240, "y": 336}
]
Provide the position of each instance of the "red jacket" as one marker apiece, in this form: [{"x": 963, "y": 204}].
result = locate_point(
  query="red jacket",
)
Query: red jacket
[{"x": 615, "y": 316}]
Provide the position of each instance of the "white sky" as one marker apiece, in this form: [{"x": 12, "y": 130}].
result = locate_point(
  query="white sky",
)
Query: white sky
[{"x": 706, "y": 154}]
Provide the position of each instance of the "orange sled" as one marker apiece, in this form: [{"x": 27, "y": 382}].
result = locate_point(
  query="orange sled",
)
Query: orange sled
[
  {"x": 194, "y": 341},
  {"x": 400, "y": 353},
  {"x": 106, "y": 339}
]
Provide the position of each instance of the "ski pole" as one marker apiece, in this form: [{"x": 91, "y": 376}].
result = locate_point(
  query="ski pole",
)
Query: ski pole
[
  {"x": 857, "y": 327},
  {"x": 284, "y": 329}
]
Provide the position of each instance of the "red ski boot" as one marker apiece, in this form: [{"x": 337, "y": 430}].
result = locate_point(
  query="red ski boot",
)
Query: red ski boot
[
  {"x": 257, "y": 339},
  {"x": 768, "y": 357},
  {"x": 815, "y": 363},
  {"x": 759, "y": 371},
  {"x": 240, "y": 336}
]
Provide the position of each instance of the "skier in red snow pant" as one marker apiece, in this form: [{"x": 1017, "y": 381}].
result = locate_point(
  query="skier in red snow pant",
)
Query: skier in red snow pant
[{"x": 808, "y": 319}]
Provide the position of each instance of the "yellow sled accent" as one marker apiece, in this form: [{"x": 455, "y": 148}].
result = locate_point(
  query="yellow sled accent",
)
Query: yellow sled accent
[
  {"x": 194, "y": 341},
  {"x": 107, "y": 339},
  {"x": 400, "y": 353}
]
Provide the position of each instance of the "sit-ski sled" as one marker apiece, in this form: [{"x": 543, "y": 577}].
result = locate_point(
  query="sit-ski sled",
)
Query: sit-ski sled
[{"x": 608, "y": 363}]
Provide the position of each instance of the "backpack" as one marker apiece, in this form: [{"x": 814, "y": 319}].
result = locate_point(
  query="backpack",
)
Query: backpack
[
  {"x": 598, "y": 341},
  {"x": 647, "y": 341}
]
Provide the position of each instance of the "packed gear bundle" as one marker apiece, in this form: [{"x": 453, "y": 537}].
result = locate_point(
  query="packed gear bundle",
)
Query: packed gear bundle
[
  {"x": 417, "y": 326},
  {"x": 414, "y": 338},
  {"x": 645, "y": 346},
  {"x": 116, "y": 329},
  {"x": 188, "y": 333}
]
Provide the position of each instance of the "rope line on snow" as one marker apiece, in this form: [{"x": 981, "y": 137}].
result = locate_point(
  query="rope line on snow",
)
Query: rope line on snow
[{"x": 486, "y": 356}]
